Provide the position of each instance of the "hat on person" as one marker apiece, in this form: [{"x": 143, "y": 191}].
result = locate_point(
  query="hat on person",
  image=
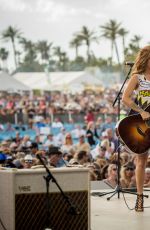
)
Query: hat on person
[
  {"x": 2, "y": 157},
  {"x": 129, "y": 165},
  {"x": 28, "y": 157},
  {"x": 54, "y": 150}
]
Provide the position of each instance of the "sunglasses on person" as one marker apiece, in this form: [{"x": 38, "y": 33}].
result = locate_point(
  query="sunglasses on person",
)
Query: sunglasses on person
[
  {"x": 129, "y": 169},
  {"x": 29, "y": 161}
]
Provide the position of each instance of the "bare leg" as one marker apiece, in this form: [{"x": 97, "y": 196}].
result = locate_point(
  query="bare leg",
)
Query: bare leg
[{"x": 140, "y": 172}]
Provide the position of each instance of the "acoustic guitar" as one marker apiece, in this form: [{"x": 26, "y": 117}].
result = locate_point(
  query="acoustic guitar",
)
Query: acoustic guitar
[{"x": 134, "y": 133}]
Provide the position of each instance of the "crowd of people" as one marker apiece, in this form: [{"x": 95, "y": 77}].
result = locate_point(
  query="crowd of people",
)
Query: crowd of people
[
  {"x": 58, "y": 102},
  {"x": 92, "y": 144}
]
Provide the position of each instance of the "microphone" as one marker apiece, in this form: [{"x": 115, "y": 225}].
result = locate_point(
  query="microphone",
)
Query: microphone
[{"x": 129, "y": 63}]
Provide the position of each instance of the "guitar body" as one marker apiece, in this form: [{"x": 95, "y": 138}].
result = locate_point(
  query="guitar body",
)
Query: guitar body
[{"x": 134, "y": 132}]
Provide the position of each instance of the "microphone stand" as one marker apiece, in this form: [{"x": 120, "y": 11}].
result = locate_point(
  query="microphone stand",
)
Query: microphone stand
[
  {"x": 72, "y": 208},
  {"x": 118, "y": 188}
]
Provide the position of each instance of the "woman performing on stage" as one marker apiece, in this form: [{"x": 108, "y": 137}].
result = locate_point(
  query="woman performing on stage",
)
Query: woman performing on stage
[{"x": 140, "y": 83}]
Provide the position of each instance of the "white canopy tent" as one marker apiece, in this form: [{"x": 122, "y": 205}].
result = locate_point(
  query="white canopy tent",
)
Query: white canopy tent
[
  {"x": 8, "y": 83},
  {"x": 61, "y": 81}
]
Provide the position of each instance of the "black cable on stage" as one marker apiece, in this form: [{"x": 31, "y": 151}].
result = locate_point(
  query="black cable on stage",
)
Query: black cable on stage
[
  {"x": 128, "y": 205},
  {"x": 122, "y": 192}
]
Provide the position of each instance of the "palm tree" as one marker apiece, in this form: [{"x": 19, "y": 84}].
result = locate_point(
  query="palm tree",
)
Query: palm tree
[
  {"x": 18, "y": 55},
  {"x": 122, "y": 32},
  {"x": 57, "y": 52},
  {"x": 110, "y": 31},
  {"x": 29, "y": 48},
  {"x": 11, "y": 34},
  {"x": 87, "y": 36},
  {"x": 62, "y": 58},
  {"x": 3, "y": 56},
  {"x": 136, "y": 40},
  {"x": 75, "y": 43},
  {"x": 133, "y": 47},
  {"x": 64, "y": 61},
  {"x": 44, "y": 49}
]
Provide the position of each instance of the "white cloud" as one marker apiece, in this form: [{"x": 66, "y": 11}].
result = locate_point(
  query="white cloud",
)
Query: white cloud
[
  {"x": 14, "y": 5},
  {"x": 58, "y": 20}
]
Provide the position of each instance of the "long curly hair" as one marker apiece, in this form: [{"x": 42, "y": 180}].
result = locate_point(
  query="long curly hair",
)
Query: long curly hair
[{"x": 141, "y": 60}]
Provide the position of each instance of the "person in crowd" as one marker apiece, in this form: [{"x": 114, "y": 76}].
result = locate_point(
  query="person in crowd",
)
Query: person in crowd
[
  {"x": 49, "y": 141},
  {"x": 1, "y": 127},
  {"x": 34, "y": 148},
  {"x": 82, "y": 145},
  {"x": 127, "y": 173},
  {"x": 39, "y": 139},
  {"x": 2, "y": 159},
  {"x": 68, "y": 144},
  {"x": 104, "y": 171},
  {"x": 139, "y": 82},
  {"x": 148, "y": 162},
  {"x": 125, "y": 156},
  {"x": 25, "y": 143},
  {"x": 78, "y": 131},
  {"x": 99, "y": 125},
  {"x": 31, "y": 111},
  {"x": 108, "y": 124},
  {"x": 67, "y": 157},
  {"x": 55, "y": 156},
  {"x": 82, "y": 157},
  {"x": 89, "y": 116},
  {"x": 99, "y": 152},
  {"x": 60, "y": 138},
  {"x": 112, "y": 139},
  {"x": 93, "y": 172},
  {"x": 57, "y": 123},
  {"x": 91, "y": 134},
  {"x": 108, "y": 144},
  {"x": 28, "y": 161},
  {"x": 9, "y": 127},
  {"x": 97, "y": 170},
  {"x": 20, "y": 126},
  {"x": 17, "y": 139},
  {"x": 101, "y": 162},
  {"x": 19, "y": 156},
  {"x": 111, "y": 179}
]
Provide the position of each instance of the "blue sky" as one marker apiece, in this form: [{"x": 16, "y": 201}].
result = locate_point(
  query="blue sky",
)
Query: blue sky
[{"x": 57, "y": 20}]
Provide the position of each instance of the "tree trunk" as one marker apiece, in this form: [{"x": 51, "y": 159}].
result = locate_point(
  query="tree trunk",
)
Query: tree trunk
[
  {"x": 76, "y": 51},
  {"x": 123, "y": 45},
  {"x": 117, "y": 53},
  {"x": 14, "y": 50},
  {"x": 112, "y": 48},
  {"x": 88, "y": 53}
]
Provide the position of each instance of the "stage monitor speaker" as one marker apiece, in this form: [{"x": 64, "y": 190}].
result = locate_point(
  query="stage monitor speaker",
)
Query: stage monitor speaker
[{"x": 23, "y": 199}]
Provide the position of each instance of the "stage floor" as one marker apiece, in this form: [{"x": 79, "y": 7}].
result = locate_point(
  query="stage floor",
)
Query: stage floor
[{"x": 114, "y": 214}]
